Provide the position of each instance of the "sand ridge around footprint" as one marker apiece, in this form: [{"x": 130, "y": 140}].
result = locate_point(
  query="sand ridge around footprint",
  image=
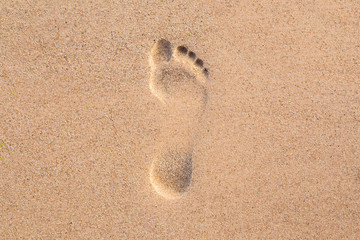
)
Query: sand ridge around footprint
[{"x": 178, "y": 79}]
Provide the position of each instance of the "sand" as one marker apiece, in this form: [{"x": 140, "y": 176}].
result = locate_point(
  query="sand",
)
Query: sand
[{"x": 277, "y": 148}]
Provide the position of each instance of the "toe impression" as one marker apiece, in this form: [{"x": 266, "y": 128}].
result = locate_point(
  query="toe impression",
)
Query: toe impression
[{"x": 160, "y": 52}]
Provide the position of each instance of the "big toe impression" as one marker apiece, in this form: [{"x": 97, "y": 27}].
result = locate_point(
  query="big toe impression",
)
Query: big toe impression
[{"x": 160, "y": 52}]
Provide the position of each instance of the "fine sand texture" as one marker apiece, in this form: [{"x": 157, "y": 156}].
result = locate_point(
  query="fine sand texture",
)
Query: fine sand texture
[{"x": 179, "y": 119}]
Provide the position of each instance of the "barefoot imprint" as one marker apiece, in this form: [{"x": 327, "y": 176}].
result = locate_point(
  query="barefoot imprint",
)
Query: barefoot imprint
[{"x": 178, "y": 80}]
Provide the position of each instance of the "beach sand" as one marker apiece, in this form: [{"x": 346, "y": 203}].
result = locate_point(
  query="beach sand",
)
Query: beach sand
[{"x": 274, "y": 154}]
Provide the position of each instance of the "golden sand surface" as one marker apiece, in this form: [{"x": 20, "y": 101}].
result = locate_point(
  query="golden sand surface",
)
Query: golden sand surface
[{"x": 86, "y": 146}]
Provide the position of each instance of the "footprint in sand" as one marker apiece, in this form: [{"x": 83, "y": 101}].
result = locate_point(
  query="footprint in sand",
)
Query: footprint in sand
[{"x": 178, "y": 80}]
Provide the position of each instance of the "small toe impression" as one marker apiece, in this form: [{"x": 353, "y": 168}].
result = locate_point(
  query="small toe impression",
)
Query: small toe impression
[
  {"x": 161, "y": 51},
  {"x": 199, "y": 62},
  {"x": 206, "y": 72},
  {"x": 182, "y": 50},
  {"x": 192, "y": 55}
]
